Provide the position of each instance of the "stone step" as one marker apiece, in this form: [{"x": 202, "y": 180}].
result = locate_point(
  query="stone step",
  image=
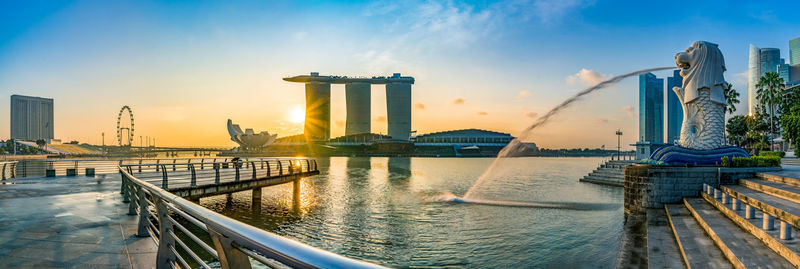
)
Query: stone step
[
  {"x": 779, "y": 179},
  {"x": 662, "y": 252},
  {"x": 782, "y": 209},
  {"x": 609, "y": 175},
  {"x": 781, "y": 190},
  {"x": 694, "y": 246},
  {"x": 611, "y": 171},
  {"x": 604, "y": 181},
  {"x": 738, "y": 246},
  {"x": 788, "y": 249}
]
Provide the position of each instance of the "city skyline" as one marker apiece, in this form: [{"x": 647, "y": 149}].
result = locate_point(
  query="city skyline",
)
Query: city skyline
[{"x": 185, "y": 69}]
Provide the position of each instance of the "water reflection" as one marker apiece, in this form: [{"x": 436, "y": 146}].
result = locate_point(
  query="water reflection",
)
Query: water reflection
[{"x": 377, "y": 209}]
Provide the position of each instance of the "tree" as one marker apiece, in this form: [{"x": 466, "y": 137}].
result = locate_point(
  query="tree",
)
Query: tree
[
  {"x": 791, "y": 125},
  {"x": 769, "y": 94},
  {"x": 731, "y": 97},
  {"x": 737, "y": 129}
]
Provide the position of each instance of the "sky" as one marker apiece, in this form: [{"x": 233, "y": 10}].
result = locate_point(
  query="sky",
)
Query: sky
[{"x": 185, "y": 67}]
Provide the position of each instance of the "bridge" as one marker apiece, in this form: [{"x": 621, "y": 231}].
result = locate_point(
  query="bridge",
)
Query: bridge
[{"x": 151, "y": 203}]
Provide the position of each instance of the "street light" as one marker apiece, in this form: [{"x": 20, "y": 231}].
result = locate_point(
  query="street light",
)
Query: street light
[{"x": 619, "y": 136}]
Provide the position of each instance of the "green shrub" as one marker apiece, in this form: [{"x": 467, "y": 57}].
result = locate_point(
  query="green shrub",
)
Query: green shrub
[
  {"x": 754, "y": 161},
  {"x": 780, "y": 154}
]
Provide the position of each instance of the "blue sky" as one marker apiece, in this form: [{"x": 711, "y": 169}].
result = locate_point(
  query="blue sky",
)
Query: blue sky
[{"x": 187, "y": 66}]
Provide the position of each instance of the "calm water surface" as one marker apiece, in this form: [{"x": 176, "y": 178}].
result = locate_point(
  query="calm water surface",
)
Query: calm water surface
[{"x": 383, "y": 210}]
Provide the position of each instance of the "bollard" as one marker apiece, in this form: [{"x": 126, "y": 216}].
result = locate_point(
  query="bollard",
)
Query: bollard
[
  {"x": 736, "y": 204},
  {"x": 769, "y": 222},
  {"x": 726, "y": 198},
  {"x": 786, "y": 231},
  {"x": 717, "y": 194},
  {"x": 749, "y": 212}
]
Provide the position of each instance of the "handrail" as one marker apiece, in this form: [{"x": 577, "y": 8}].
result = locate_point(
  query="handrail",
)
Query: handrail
[{"x": 233, "y": 241}]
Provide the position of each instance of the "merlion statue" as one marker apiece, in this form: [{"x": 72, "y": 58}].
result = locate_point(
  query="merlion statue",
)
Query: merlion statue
[
  {"x": 703, "y": 99},
  {"x": 702, "y": 96}
]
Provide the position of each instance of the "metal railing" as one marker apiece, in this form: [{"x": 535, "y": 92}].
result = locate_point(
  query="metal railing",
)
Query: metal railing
[
  {"x": 38, "y": 168},
  {"x": 8, "y": 169},
  {"x": 172, "y": 174},
  {"x": 191, "y": 236}
]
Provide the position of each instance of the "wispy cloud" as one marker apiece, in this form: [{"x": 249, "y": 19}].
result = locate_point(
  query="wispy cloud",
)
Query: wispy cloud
[
  {"x": 419, "y": 106},
  {"x": 483, "y": 113},
  {"x": 523, "y": 94},
  {"x": 628, "y": 110},
  {"x": 586, "y": 77},
  {"x": 531, "y": 114},
  {"x": 458, "y": 101}
]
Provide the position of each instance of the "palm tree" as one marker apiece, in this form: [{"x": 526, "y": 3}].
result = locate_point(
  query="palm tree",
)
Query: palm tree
[
  {"x": 731, "y": 97},
  {"x": 769, "y": 92}
]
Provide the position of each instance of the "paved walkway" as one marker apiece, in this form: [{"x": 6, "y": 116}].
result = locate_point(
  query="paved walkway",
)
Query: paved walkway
[{"x": 77, "y": 222}]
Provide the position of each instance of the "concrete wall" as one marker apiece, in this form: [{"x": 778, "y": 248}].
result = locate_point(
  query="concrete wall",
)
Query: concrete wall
[
  {"x": 398, "y": 109},
  {"x": 358, "y": 99},
  {"x": 317, "y": 125},
  {"x": 31, "y": 118},
  {"x": 649, "y": 186}
]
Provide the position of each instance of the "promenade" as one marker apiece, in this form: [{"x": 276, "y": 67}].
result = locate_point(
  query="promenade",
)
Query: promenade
[{"x": 70, "y": 222}]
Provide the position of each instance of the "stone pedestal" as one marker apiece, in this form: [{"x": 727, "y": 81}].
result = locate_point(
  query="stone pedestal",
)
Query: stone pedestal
[{"x": 652, "y": 186}]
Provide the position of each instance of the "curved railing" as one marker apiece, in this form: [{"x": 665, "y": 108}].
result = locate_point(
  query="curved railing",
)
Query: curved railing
[
  {"x": 8, "y": 169},
  {"x": 191, "y": 236}
]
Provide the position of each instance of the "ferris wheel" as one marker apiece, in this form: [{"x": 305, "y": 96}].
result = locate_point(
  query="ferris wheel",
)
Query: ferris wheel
[{"x": 125, "y": 128}]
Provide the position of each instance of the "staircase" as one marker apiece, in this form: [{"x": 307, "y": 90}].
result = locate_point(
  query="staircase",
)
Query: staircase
[
  {"x": 610, "y": 173},
  {"x": 750, "y": 225},
  {"x": 790, "y": 161}
]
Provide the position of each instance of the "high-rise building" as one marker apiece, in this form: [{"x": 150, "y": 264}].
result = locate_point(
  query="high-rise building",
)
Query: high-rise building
[
  {"x": 651, "y": 108},
  {"x": 770, "y": 59},
  {"x": 31, "y": 118},
  {"x": 794, "y": 51},
  {"x": 753, "y": 75},
  {"x": 784, "y": 72},
  {"x": 674, "y": 108}
]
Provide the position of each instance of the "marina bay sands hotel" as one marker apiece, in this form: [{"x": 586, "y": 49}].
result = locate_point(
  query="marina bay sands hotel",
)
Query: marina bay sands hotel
[{"x": 317, "y": 124}]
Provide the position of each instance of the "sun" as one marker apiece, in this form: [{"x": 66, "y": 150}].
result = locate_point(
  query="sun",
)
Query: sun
[{"x": 297, "y": 115}]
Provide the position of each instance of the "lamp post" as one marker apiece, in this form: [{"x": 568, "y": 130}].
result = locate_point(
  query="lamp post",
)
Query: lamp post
[{"x": 619, "y": 136}]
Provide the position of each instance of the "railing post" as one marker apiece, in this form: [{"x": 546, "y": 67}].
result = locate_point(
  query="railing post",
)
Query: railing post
[
  {"x": 164, "y": 255},
  {"x": 308, "y": 165},
  {"x": 157, "y": 161},
  {"x": 131, "y": 190},
  {"x": 188, "y": 162},
  {"x": 144, "y": 214},
  {"x": 173, "y": 164},
  {"x": 315, "y": 165},
  {"x": 229, "y": 256},
  {"x": 269, "y": 173},
  {"x": 4, "y": 171},
  {"x": 164, "y": 177},
  {"x": 237, "y": 171},
  {"x": 201, "y": 163},
  {"x": 124, "y": 188},
  {"x": 194, "y": 176},
  {"x": 253, "y": 165},
  {"x": 216, "y": 173},
  {"x": 14, "y": 170},
  {"x": 280, "y": 168},
  {"x": 140, "y": 165}
]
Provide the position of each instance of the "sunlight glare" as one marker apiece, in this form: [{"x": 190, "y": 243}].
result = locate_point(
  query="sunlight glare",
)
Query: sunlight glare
[{"x": 297, "y": 115}]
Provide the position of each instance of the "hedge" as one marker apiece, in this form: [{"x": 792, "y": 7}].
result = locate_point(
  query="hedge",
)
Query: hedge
[{"x": 753, "y": 161}]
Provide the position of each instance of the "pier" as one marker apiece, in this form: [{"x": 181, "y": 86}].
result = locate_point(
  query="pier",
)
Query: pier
[{"x": 142, "y": 215}]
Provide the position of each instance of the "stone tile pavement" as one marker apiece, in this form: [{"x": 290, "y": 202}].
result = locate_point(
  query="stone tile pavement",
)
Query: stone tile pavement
[{"x": 77, "y": 222}]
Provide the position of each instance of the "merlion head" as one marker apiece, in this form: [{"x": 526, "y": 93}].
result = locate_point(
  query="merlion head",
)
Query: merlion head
[{"x": 702, "y": 66}]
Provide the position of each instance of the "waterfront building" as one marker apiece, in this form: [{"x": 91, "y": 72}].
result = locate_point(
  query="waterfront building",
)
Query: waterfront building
[
  {"x": 753, "y": 75},
  {"x": 651, "y": 108},
  {"x": 674, "y": 108},
  {"x": 31, "y": 118},
  {"x": 466, "y": 142},
  {"x": 794, "y": 52},
  {"x": 357, "y": 94}
]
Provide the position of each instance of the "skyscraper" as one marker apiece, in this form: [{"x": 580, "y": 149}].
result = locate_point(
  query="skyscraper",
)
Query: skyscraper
[
  {"x": 770, "y": 59},
  {"x": 794, "y": 51},
  {"x": 784, "y": 72},
  {"x": 753, "y": 74},
  {"x": 651, "y": 108},
  {"x": 31, "y": 118},
  {"x": 674, "y": 108}
]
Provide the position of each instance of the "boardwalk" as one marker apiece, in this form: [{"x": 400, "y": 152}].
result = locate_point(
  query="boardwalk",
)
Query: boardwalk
[{"x": 77, "y": 222}]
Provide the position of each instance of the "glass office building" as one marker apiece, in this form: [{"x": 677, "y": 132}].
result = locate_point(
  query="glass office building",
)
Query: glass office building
[
  {"x": 674, "y": 108},
  {"x": 651, "y": 108}
]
